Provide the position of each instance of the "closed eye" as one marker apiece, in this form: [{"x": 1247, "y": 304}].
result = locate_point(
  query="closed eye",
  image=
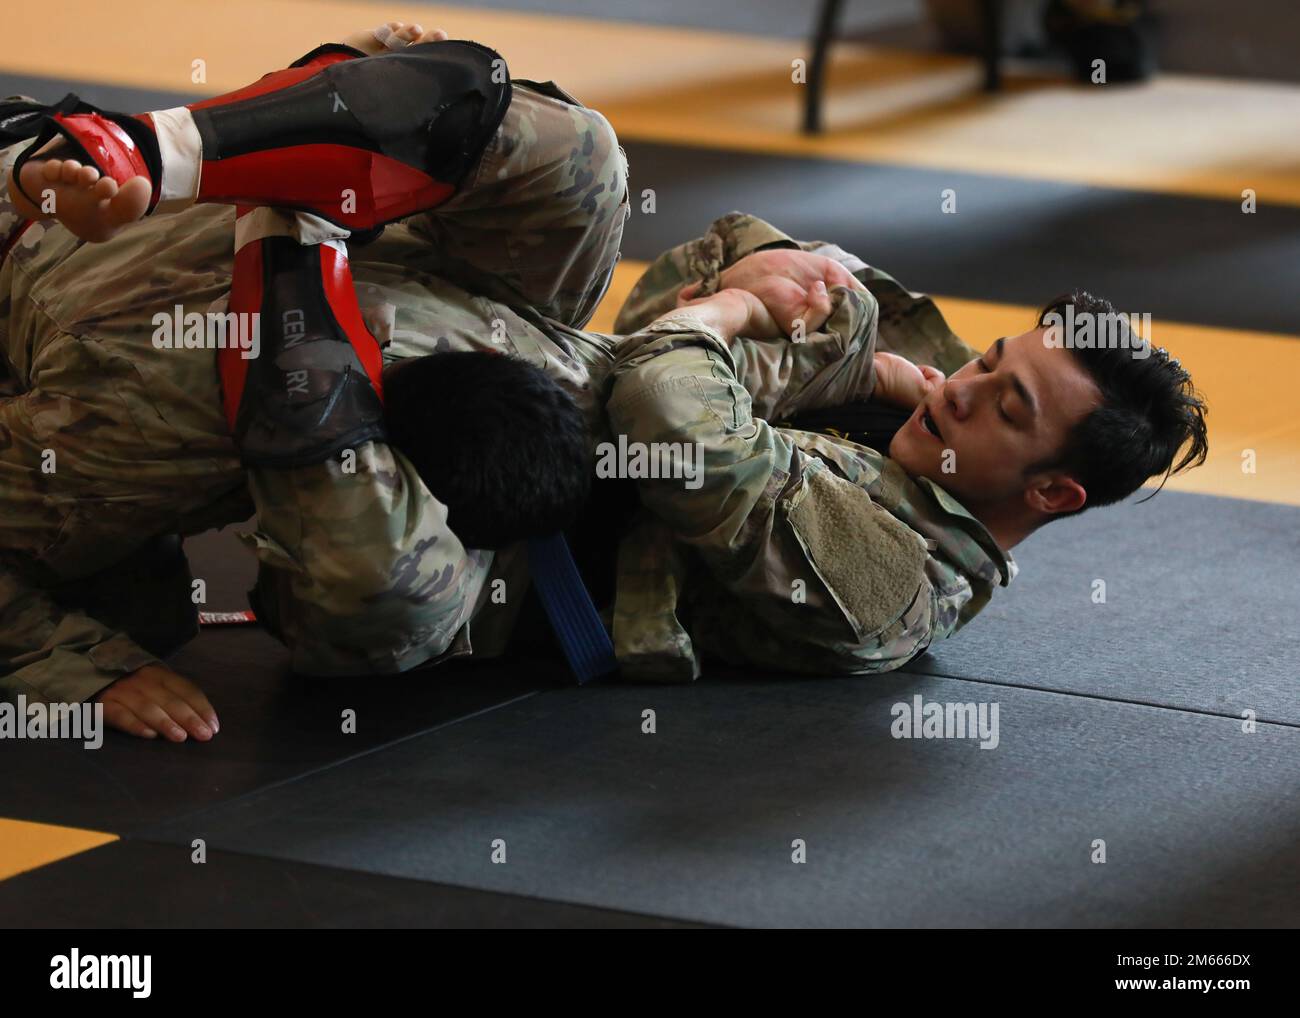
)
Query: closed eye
[{"x": 1001, "y": 410}]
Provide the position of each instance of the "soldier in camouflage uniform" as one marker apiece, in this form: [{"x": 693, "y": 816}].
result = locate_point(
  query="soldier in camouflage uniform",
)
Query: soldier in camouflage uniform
[
  {"x": 783, "y": 558},
  {"x": 800, "y": 551},
  {"x": 107, "y": 441},
  {"x": 809, "y": 552}
]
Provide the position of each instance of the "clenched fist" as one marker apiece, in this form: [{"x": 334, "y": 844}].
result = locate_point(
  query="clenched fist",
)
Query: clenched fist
[{"x": 791, "y": 284}]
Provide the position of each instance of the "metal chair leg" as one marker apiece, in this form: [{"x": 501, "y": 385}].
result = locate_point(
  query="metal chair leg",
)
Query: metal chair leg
[
  {"x": 992, "y": 10},
  {"x": 827, "y": 20}
]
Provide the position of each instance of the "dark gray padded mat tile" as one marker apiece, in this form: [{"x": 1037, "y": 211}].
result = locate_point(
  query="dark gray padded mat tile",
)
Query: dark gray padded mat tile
[
  {"x": 1200, "y": 613},
  {"x": 275, "y": 726},
  {"x": 102, "y": 889},
  {"x": 1201, "y": 822}
]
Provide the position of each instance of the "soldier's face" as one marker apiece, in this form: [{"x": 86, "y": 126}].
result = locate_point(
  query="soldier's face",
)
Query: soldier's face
[{"x": 979, "y": 433}]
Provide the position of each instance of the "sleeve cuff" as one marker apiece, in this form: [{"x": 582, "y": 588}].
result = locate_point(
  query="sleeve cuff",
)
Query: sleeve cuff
[
  {"x": 71, "y": 675},
  {"x": 684, "y": 321},
  {"x": 731, "y": 238}
]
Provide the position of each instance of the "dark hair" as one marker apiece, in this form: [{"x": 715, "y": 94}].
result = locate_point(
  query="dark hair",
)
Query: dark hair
[
  {"x": 495, "y": 440},
  {"x": 1149, "y": 410}
]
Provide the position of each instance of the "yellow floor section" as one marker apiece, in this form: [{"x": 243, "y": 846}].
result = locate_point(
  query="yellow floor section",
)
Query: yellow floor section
[
  {"x": 25, "y": 846},
  {"x": 1175, "y": 134},
  {"x": 1247, "y": 379}
]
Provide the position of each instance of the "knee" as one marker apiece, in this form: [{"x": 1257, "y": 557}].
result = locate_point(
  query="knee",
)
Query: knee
[{"x": 607, "y": 160}]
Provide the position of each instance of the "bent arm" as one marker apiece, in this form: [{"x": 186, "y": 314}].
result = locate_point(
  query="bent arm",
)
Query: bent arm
[
  {"x": 48, "y": 651},
  {"x": 807, "y": 552}
]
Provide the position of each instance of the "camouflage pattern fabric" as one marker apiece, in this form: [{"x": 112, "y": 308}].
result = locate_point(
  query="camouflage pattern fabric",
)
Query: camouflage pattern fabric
[
  {"x": 740, "y": 569},
  {"x": 358, "y": 571}
]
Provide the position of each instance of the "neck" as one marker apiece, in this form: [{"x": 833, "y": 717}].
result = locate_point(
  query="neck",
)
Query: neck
[{"x": 1008, "y": 524}]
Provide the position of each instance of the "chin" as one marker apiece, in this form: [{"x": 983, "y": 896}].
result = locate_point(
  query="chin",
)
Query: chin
[{"x": 905, "y": 453}]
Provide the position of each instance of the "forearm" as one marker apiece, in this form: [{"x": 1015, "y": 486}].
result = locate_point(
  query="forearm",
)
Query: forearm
[
  {"x": 674, "y": 387},
  {"x": 820, "y": 566},
  {"x": 48, "y": 650},
  {"x": 831, "y": 366},
  {"x": 52, "y": 654},
  {"x": 727, "y": 240}
]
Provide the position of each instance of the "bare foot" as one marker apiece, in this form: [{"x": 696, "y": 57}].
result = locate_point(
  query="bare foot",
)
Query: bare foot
[
  {"x": 406, "y": 35},
  {"x": 91, "y": 206}
]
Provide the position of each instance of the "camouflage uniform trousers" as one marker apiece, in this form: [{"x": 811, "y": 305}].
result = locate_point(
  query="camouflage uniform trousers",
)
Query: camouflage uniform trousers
[{"x": 534, "y": 229}]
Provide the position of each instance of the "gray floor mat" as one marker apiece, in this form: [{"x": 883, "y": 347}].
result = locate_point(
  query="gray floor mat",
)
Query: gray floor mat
[
  {"x": 1200, "y": 613},
  {"x": 1200, "y": 821},
  {"x": 275, "y": 726},
  {"x": 100, "y": 890}
]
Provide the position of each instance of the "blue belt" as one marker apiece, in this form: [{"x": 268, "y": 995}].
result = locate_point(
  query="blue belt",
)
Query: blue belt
[{"x": 570, "y": 609}]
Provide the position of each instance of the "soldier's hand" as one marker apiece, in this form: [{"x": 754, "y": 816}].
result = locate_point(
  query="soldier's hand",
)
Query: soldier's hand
[
  {"x": 772, "y": 306},
  {"x": 730, "y": 313},
  {"x": 392, "y": 36},
  {"x": 792, "y": 284},
  {"x": 155, "y": 699},
  {"x": 901, "y": 382},
  {"x": 733, "y": 313},
  {"x": 800, "y": 267}
]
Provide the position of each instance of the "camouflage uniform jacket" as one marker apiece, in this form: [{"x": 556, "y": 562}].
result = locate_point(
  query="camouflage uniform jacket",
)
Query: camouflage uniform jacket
[{"x": 799, "y": 551}]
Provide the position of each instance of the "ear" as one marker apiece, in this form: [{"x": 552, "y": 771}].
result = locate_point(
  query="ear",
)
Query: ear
[{"x": 1057, "y": 493}]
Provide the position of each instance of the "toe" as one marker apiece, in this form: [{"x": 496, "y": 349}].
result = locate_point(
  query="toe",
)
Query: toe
[
  {"x": 130, "y": 202},
  {"x": 71, "y": 169},
  {"x": 88, "y": 175}
]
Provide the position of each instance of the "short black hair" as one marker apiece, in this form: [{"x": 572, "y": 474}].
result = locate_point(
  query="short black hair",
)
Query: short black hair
[
  {"x": 494, "y": 439},
  {"x": 1149, "y": 410}
]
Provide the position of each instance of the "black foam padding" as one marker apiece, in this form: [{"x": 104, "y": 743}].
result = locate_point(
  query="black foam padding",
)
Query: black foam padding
[
  {"x": 1200, "y": 821},
  {"x": 100, "y": 889},
  {"x": 431, "y": 106},
  {"x": 274, "y": 726},
  {"x": 1200, "y": 609}
]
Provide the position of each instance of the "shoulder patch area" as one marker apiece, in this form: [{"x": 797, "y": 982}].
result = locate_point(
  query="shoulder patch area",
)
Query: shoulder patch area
[{"x": 871, "y": 562}]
